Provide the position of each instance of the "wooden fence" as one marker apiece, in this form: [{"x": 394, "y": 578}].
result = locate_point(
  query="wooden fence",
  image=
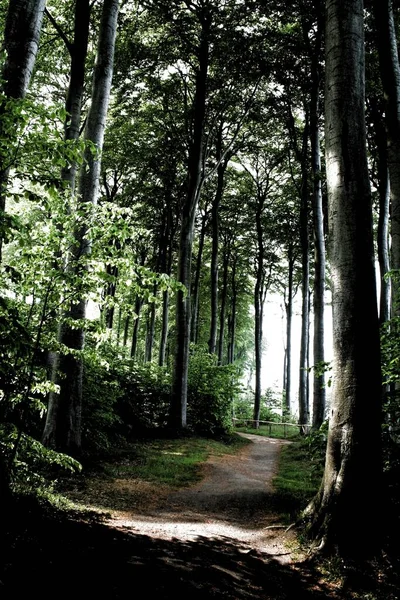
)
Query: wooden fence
[{"x": 303, "y": 429}]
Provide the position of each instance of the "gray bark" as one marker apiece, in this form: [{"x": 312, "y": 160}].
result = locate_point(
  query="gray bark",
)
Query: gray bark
[
  {"x": 304, "y": 402},
  {"x": 390, "y": 75},
  {"x": 232, "y": 315},
  {"x": 212, "y": 344},
  {"x": 63, "y": 423},
  {"x": 195, "y": 310},
  {"x": 319, "y": 390},
  {"x": 177, "y": 414},
  {"x": 345, "y": 515},
  {"x": 21, "y": 41},
  {"x": 289, "y": 319}
]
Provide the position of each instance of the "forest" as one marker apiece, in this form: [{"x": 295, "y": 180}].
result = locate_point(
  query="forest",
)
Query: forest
[{"x": 166, "y": 168}]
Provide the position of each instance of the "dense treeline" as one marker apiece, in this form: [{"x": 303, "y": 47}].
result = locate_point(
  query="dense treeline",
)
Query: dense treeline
[{"x": 162, "y": 174}]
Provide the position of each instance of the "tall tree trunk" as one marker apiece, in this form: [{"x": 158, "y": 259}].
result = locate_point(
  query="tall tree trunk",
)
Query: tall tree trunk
[
  {"x": 177, "y": 414},
  {"x": 194, "y": 327},
  {"x": 224, "y": 294},
  {"x": 258, "y": 315},
  {"x": 126, "y": 330},
  {"x": 319, "y": 390},
  {"x": 151, "y": 325},
  {"x": 73, "y": 106},
  {"x": 345, "y": 515},
  {"x": 232, "y": 316},
  {"x": 304, "y": 410},
  {"x": 390, "y": 75},
  {"x": 21, "y": 41},
  {"x": 258, "y": 306},
  {"x": 135, "y": 332},
  {"x": 212, "y": 343},
  {"x": 384, "y": 209},
  {"x": 289, "y": 320},
  {"x": 63, "y": 424},
  {"x": 164, "y": 329}
]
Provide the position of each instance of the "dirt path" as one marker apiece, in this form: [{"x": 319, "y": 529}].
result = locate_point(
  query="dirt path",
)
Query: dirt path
[
  {"x": 232, "y": 502},
  {"x": 215, "y": 540}
]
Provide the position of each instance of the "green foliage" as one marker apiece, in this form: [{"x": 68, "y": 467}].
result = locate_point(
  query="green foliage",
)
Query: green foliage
[
  {"x": 315, "y": 445},
  {"x": 297, "y": 481},
  {"x": 270, "y": 404},
  {"x": 33, "y": 461},
  {"x": 120, "y": 397},
  {"x": 211, "y": 392}
]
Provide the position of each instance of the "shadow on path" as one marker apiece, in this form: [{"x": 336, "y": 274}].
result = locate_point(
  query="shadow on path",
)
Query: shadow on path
[{"x": 57, "y": 559}]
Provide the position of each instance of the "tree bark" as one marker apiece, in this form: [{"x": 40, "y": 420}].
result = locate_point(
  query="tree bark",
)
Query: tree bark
[
  {"x": 304, "y": 404},
  {"x": 194, "y": 327},
  {"x": 224, "y": 295},
  {"x": 319, "y": 390},
  {"x": 289, "y": 320},
  {"x": 73, "y": 106},
  {"x": 259, "y": 295},
  {"x": 345, "y": 515},
  {"x": 390, "y": 76},
  {"x": 151, "y": 325},
  {"x": 63, "y": 423},
  {"x": 135, "y": 332},
  {"x": 177, "y": 413},
  {"x": 232, "y": 316},
  {"x": 21, "y": 41},
  {"x": 384, "y": 209},
  {"x": 212, "y": 344}
]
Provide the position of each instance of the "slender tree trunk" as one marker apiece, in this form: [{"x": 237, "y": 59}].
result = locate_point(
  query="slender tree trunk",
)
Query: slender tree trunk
[
  {"x": 151, "y": 325},
  {"x": 224, "y": 295},
  {"x": 63, "y": 423},
  {"x": 194, "y": 327},
  {"x": 126, "y": 330},
  {"x": 304, "y": 410},
  {"x": 212, "y": 343},
  {"x": 319, "y": 390},
  {"x": 258, "y": 313},
  {"x": 384, "y": 208},
  {"x": 177, "y": 415},
  {"x": 345, "y": 515},
  {"x": 135, "y": 332},
  {"x": 232, "y": 317},
  {"x": 390, "y": 75},
  {"x": 164, "y": 329},
  {"x": 21, "y": 41},
  {"x": 289, "y": 320},
  {"x": 119, "y": 324},
  {"x": 73, "y": 106},
  {"x": 258, "y": 306}
]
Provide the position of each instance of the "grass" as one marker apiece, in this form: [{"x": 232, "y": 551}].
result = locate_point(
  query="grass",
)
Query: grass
[
  {"x": 297, "y": 481},
  {"x": 176, "y": 463},
  {"x": 273, "y": 430}
]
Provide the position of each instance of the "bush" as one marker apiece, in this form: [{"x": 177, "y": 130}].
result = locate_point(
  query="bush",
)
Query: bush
[
  {"x": 121, "y": 398},
  {"x": 270, "y": 402},
  {"x": 211, "y": 391}
]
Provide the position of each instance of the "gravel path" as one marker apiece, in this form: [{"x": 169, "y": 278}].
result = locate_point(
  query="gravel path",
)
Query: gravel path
[{"x": 230, "y": 503}]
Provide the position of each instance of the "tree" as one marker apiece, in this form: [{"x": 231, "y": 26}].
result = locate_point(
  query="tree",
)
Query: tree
[
  {"x": 319, "y": 391},
  {"x": 21, "y": 42},
  {"x": 390, "y": 75},
  {"x": 344, "y": 505},
  {"x": 63, "y": 423}
]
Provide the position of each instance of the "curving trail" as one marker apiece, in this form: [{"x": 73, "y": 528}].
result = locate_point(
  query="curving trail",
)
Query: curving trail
[{"x": 232, "y": 502}]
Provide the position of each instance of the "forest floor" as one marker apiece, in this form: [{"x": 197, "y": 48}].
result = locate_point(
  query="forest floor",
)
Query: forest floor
[{"x": 220, "y": 538}]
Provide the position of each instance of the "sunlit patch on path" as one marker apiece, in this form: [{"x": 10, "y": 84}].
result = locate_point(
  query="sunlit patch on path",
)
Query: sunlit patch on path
[{"x": 231, "y": 504}]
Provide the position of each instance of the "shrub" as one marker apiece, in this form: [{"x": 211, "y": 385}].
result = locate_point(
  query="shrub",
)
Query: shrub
[{"x": 211, "y": 391}]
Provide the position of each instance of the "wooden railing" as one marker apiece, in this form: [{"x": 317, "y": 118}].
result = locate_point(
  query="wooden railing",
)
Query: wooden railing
[{"x": 303, "y": 429}]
